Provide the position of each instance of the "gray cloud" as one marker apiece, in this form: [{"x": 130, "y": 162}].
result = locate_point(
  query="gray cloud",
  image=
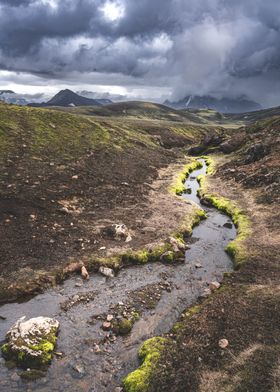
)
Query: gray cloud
[{"x": 217, "y": 47}]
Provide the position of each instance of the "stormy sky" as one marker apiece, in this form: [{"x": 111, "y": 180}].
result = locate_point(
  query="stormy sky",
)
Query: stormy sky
[{"x": 149, "y": 49}]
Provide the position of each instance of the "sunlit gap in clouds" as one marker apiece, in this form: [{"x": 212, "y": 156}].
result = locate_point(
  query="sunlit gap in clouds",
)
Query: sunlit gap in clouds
[
  {"x": 52, "y": 3},
  {"x": 113, "y": 10}
]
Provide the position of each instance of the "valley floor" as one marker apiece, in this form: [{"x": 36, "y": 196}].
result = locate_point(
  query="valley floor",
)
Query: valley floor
[{"x": 57, "y": 203}]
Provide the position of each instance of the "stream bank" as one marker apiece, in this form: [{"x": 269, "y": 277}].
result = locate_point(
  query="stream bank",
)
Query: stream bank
[{"x": 91, "y": 359}]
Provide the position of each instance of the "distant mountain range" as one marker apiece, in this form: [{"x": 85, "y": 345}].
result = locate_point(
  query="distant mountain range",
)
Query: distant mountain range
[
  {"x": 69, "y": 98},
  {"x": 2, "y": 92},
  {"x": 223, "y": 105},
  {"x": 10, "y": 96}
]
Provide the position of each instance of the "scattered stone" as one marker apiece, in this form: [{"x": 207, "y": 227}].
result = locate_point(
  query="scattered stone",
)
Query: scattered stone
[
  {"x": 118, "y": 232},
  {"x": 31, "y": 343},
  {"x": 223, "y": 343},
  {"x": 75, "y": 177},
  {"x": 178, "y": 246},
  {"x": 106, "y": 326},
  {"x": 123, "y": 326},
  {"x": 228, "y": 225},
  {"x": 167, "y": 257},
  {"x": 110, "y": 317},
  {"x": 107, "y": 272},
  {"x": 84, "y": 273},
  {"x": 97, "y": 349},
  {"x": 15, "y": 377},
  {"x": 79, "y": 369},
  {"x": 206, "y": 293},
  {"x": 58, "y": 354},
  {"x": 102, "y": 248},
  {"x": 198, "y": 265},
  {"x": 118, "y": 389},
  {"x": 73, "y": 267},
  {"x": 77, "y": 299},
  {"x": 214, "y": 286}
]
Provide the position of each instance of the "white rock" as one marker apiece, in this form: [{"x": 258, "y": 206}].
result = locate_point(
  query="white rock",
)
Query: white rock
[
  {"x": 214, "y": 286},
  {"x": 25, "y": 334},
  {"x": 84, "y": 273},
  {"x": 223, "y": 343},
  {"x": 107, "y": 272},
  {"x": 79, "y": 369},
  {"x": 118, "y": 232}
]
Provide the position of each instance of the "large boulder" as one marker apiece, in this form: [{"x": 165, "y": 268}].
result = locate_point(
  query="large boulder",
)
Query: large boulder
[{"x": 31, "y": 343}]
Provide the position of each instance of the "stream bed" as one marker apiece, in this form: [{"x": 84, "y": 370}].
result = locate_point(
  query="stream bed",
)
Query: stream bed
[{"x": 89, "y": 360}]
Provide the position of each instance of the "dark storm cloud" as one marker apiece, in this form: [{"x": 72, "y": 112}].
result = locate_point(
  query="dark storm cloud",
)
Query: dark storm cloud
[{"x": 193, "y": 46}]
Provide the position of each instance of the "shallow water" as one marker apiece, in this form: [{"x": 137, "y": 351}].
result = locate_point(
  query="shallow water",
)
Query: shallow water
[{"x": 103, "y": 371}]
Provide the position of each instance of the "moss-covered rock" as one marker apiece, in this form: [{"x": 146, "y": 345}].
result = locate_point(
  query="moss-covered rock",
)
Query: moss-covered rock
[
  {"x": 31, "y": 343},
  {"x": 123, "y": 326}
]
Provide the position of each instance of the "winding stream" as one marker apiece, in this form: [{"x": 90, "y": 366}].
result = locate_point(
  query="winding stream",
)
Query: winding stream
[{"x": 103, "y": 371}]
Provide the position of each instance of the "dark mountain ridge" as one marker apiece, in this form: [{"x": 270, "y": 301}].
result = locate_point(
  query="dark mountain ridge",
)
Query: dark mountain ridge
[
  {"x": 69, "y": 98},
  {"x": 223, "y": 105}
]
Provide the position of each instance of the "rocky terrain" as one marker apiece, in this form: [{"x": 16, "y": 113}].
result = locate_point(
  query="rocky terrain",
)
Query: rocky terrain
[
  {"x": 80, "y": 186},
  {"x": 231, "y": 340},
  {"x": 64, "y": 177}
]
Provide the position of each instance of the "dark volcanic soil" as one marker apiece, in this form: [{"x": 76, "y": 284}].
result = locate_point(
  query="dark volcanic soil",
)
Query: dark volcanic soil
[
  {"x": 53, "y": 199},
  {"x": 246, "y": 310}
]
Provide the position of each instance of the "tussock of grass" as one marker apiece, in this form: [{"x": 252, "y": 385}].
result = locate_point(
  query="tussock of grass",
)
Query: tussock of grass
[
  {"x": 178, "y": 186},
  {"x": 149, "y": 354},
  {"x": 236, "y": 248}
]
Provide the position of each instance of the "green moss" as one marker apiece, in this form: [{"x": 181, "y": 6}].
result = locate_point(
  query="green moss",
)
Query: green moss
[
  {"x": 186, "y": 227},
  {"x": 149, "y": 354},
  {"x": 44, "y": 348},
  {"x": 114, "y": 262},
  {"x": 236, "y": 248},
  {"x": 161, "y": 252},
  {"x": 123, "y": 326},
  {"x": 187, "y": 315},
  {"x": 137, "y": 257},
  {"x": 178, "y": 186},
  {"x": 5, "y": 349},
  {"x": 210, "y": 163}
]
